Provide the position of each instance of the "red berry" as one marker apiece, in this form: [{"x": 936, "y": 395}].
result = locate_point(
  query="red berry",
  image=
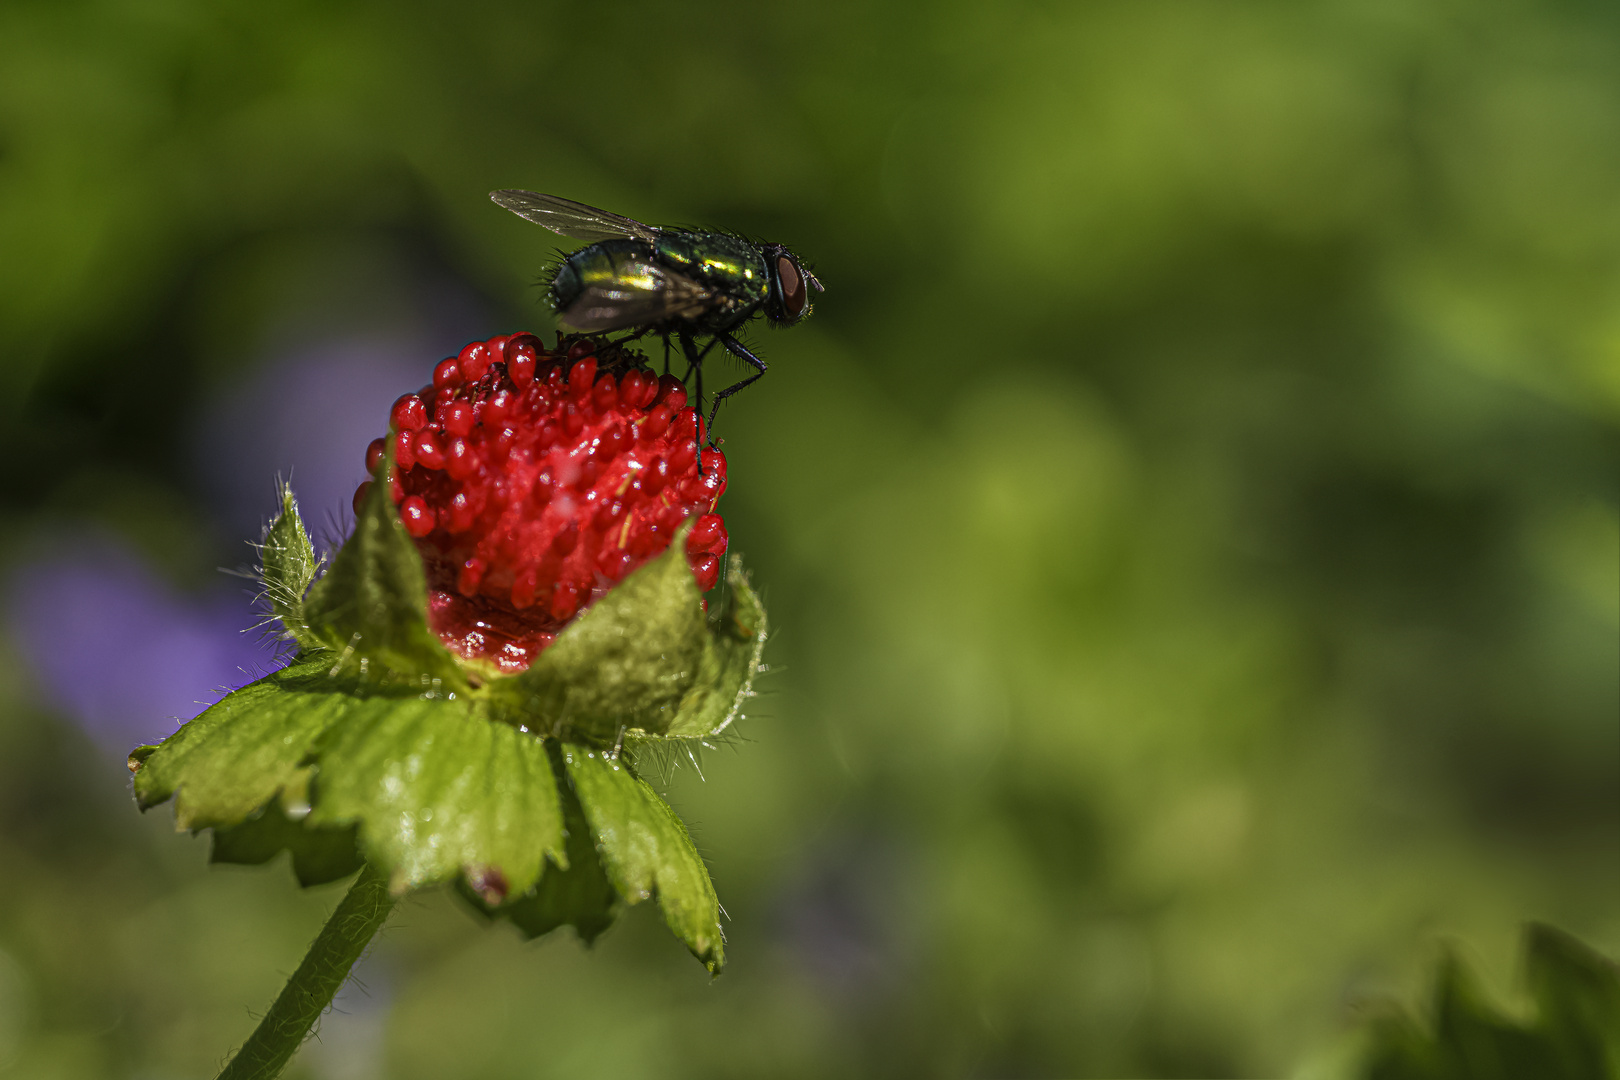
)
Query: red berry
[
  {"x": 473, "y": 361},
  {"x": 458, "y": 418},
  {"x": 671, "y": 392},
  {"x": 417, "y": 517},
  {"x": 428, "y": 453},
  {"x": 681, "y": 459},
  {"x": 447, "y": 375},
  {"x": 656, "y": 424},
  {"x": 360, "y": 494},
  {"x": 631, "y": 387},
  {"x": 582, "y": 376},
  {"x": 521, "y": 353},
  {"x": 605, "y": 395},
  {"x": 707, "y": 536},
  {"x": 470, "y": 576},
  {"x": 706, "y": 568},
  {"x": 409, "y": 414},
  {"x": 375, "y": 453},
  {"x": 460, "y": 516},
  {"x": 405, "y": 449},
  {"x": 539, "y": 487},
  {"x": 499, "y": 407},
  {"x": 460, "y": 459}
]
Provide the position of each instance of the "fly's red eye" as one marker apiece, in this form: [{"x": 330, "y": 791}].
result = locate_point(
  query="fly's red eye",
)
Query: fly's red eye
[{"x": 792, "y": 287}]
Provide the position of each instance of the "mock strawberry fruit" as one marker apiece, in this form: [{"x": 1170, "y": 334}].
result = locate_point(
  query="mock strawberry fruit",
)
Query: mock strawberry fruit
[{"x": 533, "y": 481}]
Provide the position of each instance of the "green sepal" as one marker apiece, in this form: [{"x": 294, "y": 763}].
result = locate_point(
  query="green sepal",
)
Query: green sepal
[
  {"x": 288, "y": 566},
  {"x": 646, "y": 850},
  {"x": 625, "y": 664},
  {"x": 244, "y": 751},
  {"x": 318, "y": 855},
  {"x": 732, "y": 648},
  {"x": 580, "y": 896},
  {"x": 644, "y": 661},
  {"x": 433, "y": 788},
  {"x": 438, "y": 789},
  {"x": 371, "y": 606}
]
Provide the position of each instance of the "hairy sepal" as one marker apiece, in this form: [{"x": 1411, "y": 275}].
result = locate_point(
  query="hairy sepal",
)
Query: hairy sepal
[
  {"x": 288, "y": 566},
  {"x": 370, "y": 608},
  {"x": 643, "y": 662}
]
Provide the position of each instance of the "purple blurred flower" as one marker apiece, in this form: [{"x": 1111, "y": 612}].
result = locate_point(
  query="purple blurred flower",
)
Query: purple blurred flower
[
  {"x": 119, "y": 650},
  {"x": 308, "y": 416}
]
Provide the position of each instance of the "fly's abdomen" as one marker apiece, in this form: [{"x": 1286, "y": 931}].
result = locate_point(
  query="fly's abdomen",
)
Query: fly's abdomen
[
  {"x": 613, "y": 285},
  {"x": 565, "y": 284},
  {"x": 611, "y": 264}
]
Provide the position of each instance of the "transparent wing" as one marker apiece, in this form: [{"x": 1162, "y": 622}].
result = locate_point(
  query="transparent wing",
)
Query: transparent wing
[
  {"x": 639, "y": 292},
  {"x": 571, "y": 218}
]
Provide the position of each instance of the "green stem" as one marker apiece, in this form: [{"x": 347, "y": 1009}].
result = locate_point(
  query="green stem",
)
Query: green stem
[{"x": 312, "y": 987}]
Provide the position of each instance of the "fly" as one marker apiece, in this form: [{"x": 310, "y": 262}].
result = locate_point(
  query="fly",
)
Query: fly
[{"x": 688, "y": 283}]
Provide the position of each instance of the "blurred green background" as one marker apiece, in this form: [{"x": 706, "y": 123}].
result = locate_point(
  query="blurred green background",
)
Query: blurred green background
[{"x": 1190, "y": 518}]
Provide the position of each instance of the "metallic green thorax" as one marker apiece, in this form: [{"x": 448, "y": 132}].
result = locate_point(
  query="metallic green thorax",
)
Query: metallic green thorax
[
  {"x": 729, "y": 263},
  {"x": 731, "y": 271}
]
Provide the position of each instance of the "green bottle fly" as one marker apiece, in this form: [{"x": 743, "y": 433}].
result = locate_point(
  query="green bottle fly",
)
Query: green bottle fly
[{"x": 684, "y": 283}]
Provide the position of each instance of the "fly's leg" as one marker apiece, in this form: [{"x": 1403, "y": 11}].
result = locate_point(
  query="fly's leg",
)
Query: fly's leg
[
  {"x": 694, "y": 361},
  {"x": 735, "y": 348}
]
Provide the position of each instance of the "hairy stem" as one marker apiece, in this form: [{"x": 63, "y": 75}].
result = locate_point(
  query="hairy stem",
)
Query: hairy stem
[{"x": 312, "y": 987}]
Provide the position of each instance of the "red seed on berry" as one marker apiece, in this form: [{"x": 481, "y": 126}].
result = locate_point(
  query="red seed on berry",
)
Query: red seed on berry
[
  {"x": 473, "y": 361},
  {"x": 458, "y": 418},
  {"x": 428, "y": 453},
  {"x": 706, "y": 568},
  {"x": 522, "y": 353},
  {"x": 405, "y": 449},
  {"x": 416, "y": 515},
  {"x": 409, "y": 414},
  {"x": 671, "y": 392},
  {"x": 582, "y": 376},
  {"x": 447, "y": 375}
]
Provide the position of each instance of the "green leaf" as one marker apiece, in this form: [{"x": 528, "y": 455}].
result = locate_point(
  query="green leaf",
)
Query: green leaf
[
  {"x": 242, "y": 752},
  {"x": 289, "y": 565},
  {"x": 435, "y": 788},
  {"x": 1575, "y": 1034},
  {"x": 580, "y": 896},
  {"x": 438, "y": 789},
  {"x": 1577, "y": 995},
  {"x": 1474, "y": 1038},
  {"x": 318, "y": 855},
  {"x": 626, "y": 664},
  {"x": 646, "y": 850},
  {"x": 371, "y": 606}
]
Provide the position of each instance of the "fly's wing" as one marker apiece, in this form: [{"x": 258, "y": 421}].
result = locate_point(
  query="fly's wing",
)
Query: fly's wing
[
  {"x": 638, "y": 292},
  {"x": 571, "y": 218}
]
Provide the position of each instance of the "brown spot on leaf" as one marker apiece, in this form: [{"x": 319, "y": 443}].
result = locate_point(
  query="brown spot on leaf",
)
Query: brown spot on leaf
[{"x": 489, "y": 883}]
